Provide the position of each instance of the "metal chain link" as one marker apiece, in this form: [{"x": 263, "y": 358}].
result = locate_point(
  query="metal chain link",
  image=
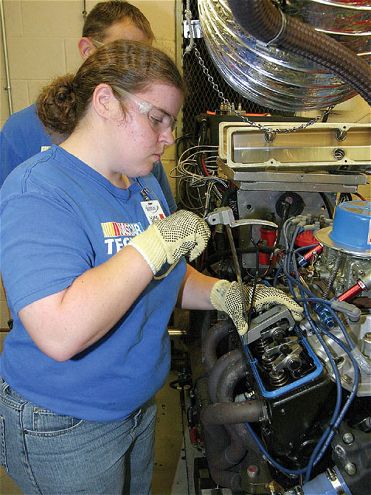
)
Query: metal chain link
[{"x": 267, "y": 130}]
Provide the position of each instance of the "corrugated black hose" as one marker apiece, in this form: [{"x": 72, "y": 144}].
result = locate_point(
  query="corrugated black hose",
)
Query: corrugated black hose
[{"x": 262, "y": 20}]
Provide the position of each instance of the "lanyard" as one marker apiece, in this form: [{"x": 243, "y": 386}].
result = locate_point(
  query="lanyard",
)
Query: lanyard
[{"x": 144, "y": 191}]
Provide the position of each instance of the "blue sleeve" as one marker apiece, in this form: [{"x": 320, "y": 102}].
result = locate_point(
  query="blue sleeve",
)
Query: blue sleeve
[
  {"x": 21, "y": 137},
  {"x": 9, "y": 157},
  {"x": 160, "y": 174},
  {"x": 43, "y": 248}
]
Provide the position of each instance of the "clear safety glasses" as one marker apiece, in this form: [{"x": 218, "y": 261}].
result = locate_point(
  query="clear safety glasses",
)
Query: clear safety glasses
[{"x": 159, "y": 119}]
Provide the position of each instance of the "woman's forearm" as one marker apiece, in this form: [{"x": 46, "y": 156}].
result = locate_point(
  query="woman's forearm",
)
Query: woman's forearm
[
  {"x": 68, "y": 322},
  {"x": 195, "y": 291}
]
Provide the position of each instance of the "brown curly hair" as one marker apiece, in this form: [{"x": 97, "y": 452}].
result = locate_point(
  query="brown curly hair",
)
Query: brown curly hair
[{"x": 127, "y": 65}]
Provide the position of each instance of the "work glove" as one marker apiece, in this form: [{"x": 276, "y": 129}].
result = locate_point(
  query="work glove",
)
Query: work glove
[
  {"x": 165, "y": 241},
  {"x": 227, "y": 296}
]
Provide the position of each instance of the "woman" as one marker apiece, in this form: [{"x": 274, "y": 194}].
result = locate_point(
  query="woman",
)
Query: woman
[{"x": 93, "y": 265}]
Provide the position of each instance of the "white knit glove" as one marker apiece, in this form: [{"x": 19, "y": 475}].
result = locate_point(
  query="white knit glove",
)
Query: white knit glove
[
  {"x": 226, "y": 296},
  {"x": 165, "y": 241}
]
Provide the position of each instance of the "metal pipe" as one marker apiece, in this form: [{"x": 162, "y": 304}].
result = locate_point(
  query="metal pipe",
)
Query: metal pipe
[{"x": 7, "y": 88}]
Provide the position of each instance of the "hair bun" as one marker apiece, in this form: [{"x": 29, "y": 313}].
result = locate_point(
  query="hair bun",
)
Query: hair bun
[{"x": 65, "y": 92}]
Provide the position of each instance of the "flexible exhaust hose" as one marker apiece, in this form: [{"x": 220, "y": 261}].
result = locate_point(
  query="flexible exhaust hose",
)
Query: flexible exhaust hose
[
  {"x": 234, "y": 448},
  {"x": 224, "y": 374},
  {"x": 228, "y": 479},
  {"x": 262, "y": 20},
  {"x": 229, "y": 379},
  {"x": 225, "y": 393}
]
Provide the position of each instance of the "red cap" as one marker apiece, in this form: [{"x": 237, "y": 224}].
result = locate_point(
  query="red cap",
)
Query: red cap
[{"x": 305, "y": 239}]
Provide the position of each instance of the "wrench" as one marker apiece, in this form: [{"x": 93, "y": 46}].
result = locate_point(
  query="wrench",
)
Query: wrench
[{"x": 224, "y": 216}]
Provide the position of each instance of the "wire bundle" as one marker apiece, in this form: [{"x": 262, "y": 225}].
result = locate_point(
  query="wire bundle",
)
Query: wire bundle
[
  {"x": 197, "y": 181},
  {"x": 313, "y": 305}
]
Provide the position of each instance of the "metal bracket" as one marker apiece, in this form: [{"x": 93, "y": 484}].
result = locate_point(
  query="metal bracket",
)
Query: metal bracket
[
  {"x": 196, "y": 29},
  {"x": 266, "y": 320},
  {"x": 224, "y": 216}
]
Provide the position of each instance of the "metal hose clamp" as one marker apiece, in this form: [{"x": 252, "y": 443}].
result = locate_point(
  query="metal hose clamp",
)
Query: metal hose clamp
[{"x": 280, "y": 32}]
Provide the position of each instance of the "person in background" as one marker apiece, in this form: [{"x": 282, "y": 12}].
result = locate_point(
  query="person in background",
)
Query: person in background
[
  {"x": 23, "y": 135},
  {"x": 93, "y": 264}
]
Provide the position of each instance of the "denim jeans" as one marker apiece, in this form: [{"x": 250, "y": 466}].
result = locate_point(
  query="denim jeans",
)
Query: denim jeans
[{"x": 50, "y": 454}]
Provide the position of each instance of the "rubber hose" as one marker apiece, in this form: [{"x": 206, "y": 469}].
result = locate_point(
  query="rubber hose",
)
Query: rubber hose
[
  {"x": 213, "y": 336},
  {"x": 223, "y": 450},
  {"x": 241, "y": 441},
  {"x": 225, "y": 393},
  {"x": 232, "y": 412},
  {"x": 229, "y": 380},
  {"x": 262, "y": 20},
  {"x": 225, "y": 361},
  {"x": 227, "y": 479},
  {"x": 221, "y": 372}
]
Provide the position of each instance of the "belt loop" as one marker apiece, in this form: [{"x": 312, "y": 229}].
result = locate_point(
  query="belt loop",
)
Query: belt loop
[{"x": 137, "y": 417}]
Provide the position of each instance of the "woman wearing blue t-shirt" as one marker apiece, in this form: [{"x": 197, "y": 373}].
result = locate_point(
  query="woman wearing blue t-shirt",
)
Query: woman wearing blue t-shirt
[{"x": 93, "y": 265}]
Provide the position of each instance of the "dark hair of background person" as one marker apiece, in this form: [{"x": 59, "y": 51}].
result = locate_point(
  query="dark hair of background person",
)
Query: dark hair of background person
[
  {"x": 105, "y": 14},
  {"x": 123, "y": 65}
]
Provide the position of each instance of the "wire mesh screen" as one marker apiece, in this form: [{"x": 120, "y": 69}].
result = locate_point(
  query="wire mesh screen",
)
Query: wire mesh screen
[{"x": 201, "y": 96}]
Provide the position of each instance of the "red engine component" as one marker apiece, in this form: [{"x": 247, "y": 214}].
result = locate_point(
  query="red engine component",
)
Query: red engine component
[
  {"x": 305, "y": 239},
  {"x": 268, "y": 237}
]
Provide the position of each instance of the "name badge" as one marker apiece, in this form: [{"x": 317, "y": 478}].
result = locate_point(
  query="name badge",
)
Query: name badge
[{"x": 152, "y": 210}]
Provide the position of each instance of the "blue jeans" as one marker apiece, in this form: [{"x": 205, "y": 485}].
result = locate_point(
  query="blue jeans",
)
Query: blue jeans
[{"x": 50, "y": 454}]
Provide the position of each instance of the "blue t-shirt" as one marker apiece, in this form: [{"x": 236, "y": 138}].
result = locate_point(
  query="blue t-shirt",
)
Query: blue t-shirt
[
  {"x": 23, "y": 136},
  {"x": 60, "y": 218}
]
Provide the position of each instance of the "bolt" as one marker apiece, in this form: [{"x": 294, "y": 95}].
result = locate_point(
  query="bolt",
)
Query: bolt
[
  {"x": 350, "y": 468},
  {"x": 252, "y": 471},
  {"x": 338, "y": 153},
  {"x": 331, "y": 474},
  {"x": 346, "y": 379},
  {"x": 348, "y": 438},
  {"x": 339, "y": 450}
]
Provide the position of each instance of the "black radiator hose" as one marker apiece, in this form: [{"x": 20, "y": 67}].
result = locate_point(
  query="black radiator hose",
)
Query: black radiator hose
[{"x": 262, "y": 20}]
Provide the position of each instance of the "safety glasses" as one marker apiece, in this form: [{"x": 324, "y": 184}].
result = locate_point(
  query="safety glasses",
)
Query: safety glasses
[{"x": 159, "y": 120}]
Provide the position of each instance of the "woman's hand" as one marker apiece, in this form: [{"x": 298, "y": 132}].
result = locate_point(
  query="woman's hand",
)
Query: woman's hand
[
  {"x": 165, "y": 241},
  {"x": 226, "y": 296}
]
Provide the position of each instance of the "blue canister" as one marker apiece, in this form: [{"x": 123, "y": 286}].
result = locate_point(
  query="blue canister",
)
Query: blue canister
[{"x": 352, "y": 225}]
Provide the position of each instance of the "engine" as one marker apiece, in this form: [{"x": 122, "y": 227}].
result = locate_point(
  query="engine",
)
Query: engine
[{"x": 285, "y": 409}]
